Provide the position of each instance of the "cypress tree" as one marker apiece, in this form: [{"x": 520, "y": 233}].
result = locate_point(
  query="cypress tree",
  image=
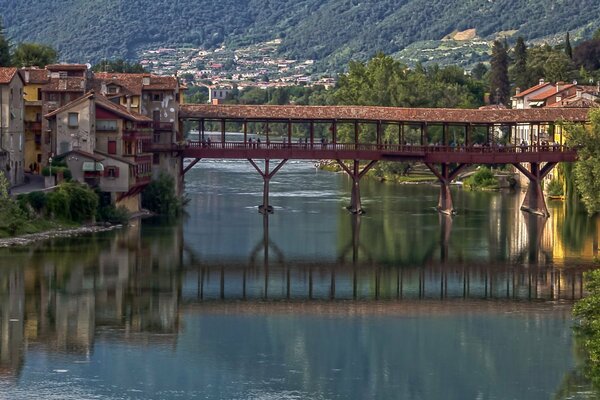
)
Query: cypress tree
[
  {"x": 568, "y": 49},
  {"x": 499, "y": 84},
  {"x": 4, "y": 48},
  {"x": 519, "y": 70}
]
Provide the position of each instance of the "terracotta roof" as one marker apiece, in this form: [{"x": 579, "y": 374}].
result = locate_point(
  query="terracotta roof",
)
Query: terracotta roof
[
  {"x": 7, "y": 74},
  {"x": 575, "y": 102},
  {"x": 133, "y": 83},
  {"x": 68, "y": 84},
  {"x": 549, "y": 93},
  {"x": 36, "y": 75},
  {"x": 120, "y": 110},
  {"x": 70, "y": 104},
  {"x": 392, "y": 114},
  {"x": 531, "y": 90},
  {"x": 66, "y": 67},
  {"x": 81, "y": 153},
  {"x": 104, "y": 103}
]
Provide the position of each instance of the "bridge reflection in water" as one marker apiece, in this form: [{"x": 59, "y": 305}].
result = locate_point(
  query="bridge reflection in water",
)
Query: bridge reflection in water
[
  {"x": 267, "y": 275},
  {"x": 129, "y": 286}
]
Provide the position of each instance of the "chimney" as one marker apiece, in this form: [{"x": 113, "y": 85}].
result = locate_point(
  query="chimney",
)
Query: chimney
[
  {"x": 128, "y": 103},
  {"x": 578, "y": 93},
  {"x": 517, "y": 91},
  {"x": 26, "y": 76},
  {"x": 103, "y": 88},
  {"x": 146, "y": 81},
  {"x": 541, "y": 81}
]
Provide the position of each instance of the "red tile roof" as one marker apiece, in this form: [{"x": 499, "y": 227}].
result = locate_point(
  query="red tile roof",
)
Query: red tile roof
[
  {"x": 36, "y": 75},
  {"x": 104, "y": 103},
  {"x": 7, "y": 74},
  {"x": 531, "y": 90},
  {"x": 68, "y": 84},
  {"x": 66, "y": 67},
  {"x": 549, "y": 93},
  {"x": 392, "y": 114},
  {"x": 134, "y": 83}
]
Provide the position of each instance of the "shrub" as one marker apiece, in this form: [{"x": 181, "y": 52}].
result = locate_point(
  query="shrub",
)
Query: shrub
[
  {"x": 159, "y": 197},
  {"x": 112, "y": 214},
  {"x": 73, "y": 201},
  {"x": 555, "y": 188},
  {"x": 482, "y": 179}
]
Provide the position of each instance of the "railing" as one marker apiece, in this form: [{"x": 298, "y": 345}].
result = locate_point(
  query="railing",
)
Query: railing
[
  {"x": 163, "y": 126},
  {"x": 384, "y": 148}
]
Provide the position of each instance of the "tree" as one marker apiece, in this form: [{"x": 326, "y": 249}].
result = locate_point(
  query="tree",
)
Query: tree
[
  {"x": 4, "y": 48},
  {"x": 118, "y": 66},
  {"x": 519, "y": 71},
  {"x": 568, "y": 49},
  {"x": 34, "y": 54},
  {"x": 587, "y": 55},
  {"x": 479, "y": 71},
  {"x": 587, "y": 168},
  {"x": 499, "y": 83},
  {"x": 558, "y": 67}
]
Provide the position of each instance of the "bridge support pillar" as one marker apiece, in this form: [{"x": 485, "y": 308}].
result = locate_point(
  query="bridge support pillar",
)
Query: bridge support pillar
[
  {"x": 534, "y": 201},
  {"x": 356, "y": 174},
  {"x": 445, "y": 176},
  {"x": 265, "y": 207}
]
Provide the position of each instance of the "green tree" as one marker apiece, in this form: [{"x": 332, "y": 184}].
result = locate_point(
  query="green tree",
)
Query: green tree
[
  {"x": 479, "y": 71},
  {"x": 568, "y": 48},
  {"x": 5, "y": 60},
  {"x": 519, "y": 73},
  {"x": 587, "y": 169},
  {"x": 33, "y": 54},
  {"x": 160, "y": 197},
  {"x": 119, "y": 66},
  {"x": 558, "y": 67},
  {"x": 499, "y": 83}
]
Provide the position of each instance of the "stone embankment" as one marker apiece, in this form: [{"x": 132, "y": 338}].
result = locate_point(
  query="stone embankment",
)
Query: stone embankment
[{"x": 25, "y": 240}]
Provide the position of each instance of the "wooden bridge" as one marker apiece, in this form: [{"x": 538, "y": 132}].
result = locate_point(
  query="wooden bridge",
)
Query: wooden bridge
[{"x": 446, "y": 140}]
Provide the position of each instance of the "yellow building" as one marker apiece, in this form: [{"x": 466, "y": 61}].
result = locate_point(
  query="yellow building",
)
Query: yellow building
[{"x": 34, "y": 79}]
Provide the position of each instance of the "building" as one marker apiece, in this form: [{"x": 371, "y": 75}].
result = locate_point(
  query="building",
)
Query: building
[
  {"x": 103, "y": 145},
  {"x": 34, "y": 80},
  {"x": 11, "y": 126}
]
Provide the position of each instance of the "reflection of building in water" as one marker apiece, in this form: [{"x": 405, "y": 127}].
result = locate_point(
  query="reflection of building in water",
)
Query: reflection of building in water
[
  {"x": 569, "y": 234},
  {"x": 12, "y": 302},
  {"x": 59, "y": 298}
]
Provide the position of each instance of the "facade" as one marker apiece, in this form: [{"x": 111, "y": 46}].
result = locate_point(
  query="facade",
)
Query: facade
[
  {"x": 103, "y": 144},
  {"x": 34, "y": 79},
  {"x": 12, "y": 162}
]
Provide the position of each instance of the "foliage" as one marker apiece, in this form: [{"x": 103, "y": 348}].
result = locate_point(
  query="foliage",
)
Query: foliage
[
  {"x": 33, "y": 54},
  {"x": 555, "y": 188},
  {"x": 12, "y": 217},
  {"x": 113, "y": 215},
  {"x": 66, "y": 172},
  {"x": 518, "y": 72},
  {"x": 587, "y": 55},
  {"x": 72, "y": 201},
  {"x": 482, "y": 179},
  {"x": 118, "y": 66},
  {"x": 499, "y": 84},
  {"x": 160, "y": 197},
  {"x": 587, "y": 313},
  {"x": 568, "y": 48},
  {"x": 587, "y": 168},
  {"x": 333, "y": 31},
  {"x": 4, "y": 47}
]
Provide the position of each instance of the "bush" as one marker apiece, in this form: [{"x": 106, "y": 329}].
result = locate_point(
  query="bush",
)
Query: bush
[
  {"x": 555, "y": 188},
  {"x": 73, "y": 202},
  {"x": 482, "y": 179},
  {"x": 159, "y": 197},
  {"x": 112, "y": 214}
]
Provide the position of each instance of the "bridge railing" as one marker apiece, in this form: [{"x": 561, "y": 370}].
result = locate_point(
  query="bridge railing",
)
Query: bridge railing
[{"x": 399, "y": 148}]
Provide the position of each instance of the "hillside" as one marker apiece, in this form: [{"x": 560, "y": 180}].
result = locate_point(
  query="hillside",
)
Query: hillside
[{"x": 331, "y": 31}]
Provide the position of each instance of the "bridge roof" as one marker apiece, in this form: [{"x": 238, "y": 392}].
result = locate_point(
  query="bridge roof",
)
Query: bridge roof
[{"x": 370, "y": 113}]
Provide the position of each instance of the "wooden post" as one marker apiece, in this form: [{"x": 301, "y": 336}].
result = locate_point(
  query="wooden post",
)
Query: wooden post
[
  {"x": 223, "y": 132},
  {"x": 245, "y": 132},
  {"x": 378, "y": 135},
  {"x": 534, "y": 201},
  {"x": 356, "y": 134},
  {"x": 334, "y": 132},
  {"x": 289, "y": 133},
  {"x": 312, "y": 133},
  {"x": 445, "y": 134}
]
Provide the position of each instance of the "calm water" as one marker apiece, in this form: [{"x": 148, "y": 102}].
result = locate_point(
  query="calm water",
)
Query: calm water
[{"x": 311, "y": 303}]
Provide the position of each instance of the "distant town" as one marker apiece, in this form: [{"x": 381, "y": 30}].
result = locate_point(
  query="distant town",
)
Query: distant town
[{"x": 253, "y": 66}]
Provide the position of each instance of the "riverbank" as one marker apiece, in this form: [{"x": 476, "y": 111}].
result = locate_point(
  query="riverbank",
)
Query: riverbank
[
  {"x": 25, "y": 240},
  {"x": 416, "y": 176}
]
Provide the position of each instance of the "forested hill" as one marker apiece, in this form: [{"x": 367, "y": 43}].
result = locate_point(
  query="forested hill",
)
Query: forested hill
[{"x": 333, "y": 31}]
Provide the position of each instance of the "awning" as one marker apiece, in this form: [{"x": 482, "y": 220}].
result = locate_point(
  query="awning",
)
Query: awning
[{"x": 92, "y": 166}]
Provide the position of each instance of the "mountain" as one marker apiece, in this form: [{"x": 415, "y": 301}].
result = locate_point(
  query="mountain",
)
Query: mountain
[{"x": 331, "y": 31}]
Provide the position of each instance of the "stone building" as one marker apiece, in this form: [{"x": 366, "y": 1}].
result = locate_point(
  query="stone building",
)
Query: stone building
[{"x": 11, "y": 125}]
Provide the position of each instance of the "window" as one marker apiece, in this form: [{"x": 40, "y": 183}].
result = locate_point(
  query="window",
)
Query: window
[
  {"x": 156, "y": 158},
  {"x": 112, "y": 147},
  {"x": 39, "y": 94},
  {"x": 111, "y": 172},
  {"x": 73, "y": 120},
  {"x": 157, "y": 96},
  {"x": 113, "y": 89},
  {"x": 106, "y": 124}
]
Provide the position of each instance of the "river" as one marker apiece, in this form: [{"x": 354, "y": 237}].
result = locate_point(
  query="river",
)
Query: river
[{"x": 307, "y": 303}]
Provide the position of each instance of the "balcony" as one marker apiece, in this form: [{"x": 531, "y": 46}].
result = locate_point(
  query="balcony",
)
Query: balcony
[
  {"x": 163, "y": 126},
  {"x": 33, "y": 126}
]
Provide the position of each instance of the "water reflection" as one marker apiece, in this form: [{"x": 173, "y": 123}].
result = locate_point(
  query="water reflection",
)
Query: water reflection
[{"x": 167, "y": 289}]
